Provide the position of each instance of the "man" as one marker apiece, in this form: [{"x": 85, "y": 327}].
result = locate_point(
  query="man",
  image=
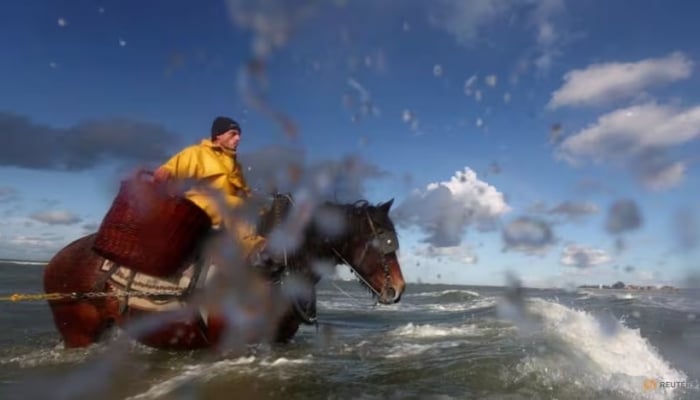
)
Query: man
[{"x": 219, "y": 184}]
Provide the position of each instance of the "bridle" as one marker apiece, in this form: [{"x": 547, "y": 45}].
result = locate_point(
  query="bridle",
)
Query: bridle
[{"x": 385, "y": 242}]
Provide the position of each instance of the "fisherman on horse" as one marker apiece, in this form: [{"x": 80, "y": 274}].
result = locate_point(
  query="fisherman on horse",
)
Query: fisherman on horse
[
  {"x": 148, "y": 259},
  {"x": 219, "y": 186}
]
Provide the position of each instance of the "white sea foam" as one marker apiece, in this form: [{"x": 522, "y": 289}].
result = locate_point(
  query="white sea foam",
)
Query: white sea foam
[
  {"x": 592, "y": 356},
  {"x": 344, "y": 305},
  {"x": 404, "y": 306},
  {"x": 282, "y": 361},
  {"x": 466, "y": 306},
  {"x": 45, "y": 357},
  {"x": 444, "y": 292},
  {"x": 402, "y": 350},
  {"x": 190, "y": 373},
  {"x": 57, "y": 355},
  {"x": 205, "y": 372},
  {"x": 435, "y": 331}
]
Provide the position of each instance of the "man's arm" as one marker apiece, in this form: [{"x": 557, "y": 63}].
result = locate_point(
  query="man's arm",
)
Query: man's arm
[{"x": 171, "y": 169}]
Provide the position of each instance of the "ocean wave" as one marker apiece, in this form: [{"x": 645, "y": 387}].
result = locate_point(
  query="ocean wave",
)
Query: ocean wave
[
  {"x": 344, "y": 305},
  {"x": 45, "y": 357},
  {"x": 207, "y": 371},
  {"x": 592, "y": 354},
  {"x": 348, "y": 305},
  {"x": 443, "y": 293},
  {"x": 191, "y": 373},
  {"x": 434, "y": 331},
  {"x": 486, "y": 302},
  {"x": 674, "y": 303},
  {"x": 402, "y": 350},
  {"x": 624, "y": 296},
  {"x": 56, "y": 355},
  {"x": 605, "y": 294}
]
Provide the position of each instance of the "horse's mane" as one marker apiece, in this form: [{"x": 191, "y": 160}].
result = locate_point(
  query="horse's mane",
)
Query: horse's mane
[{"x": 357, "y": 212}]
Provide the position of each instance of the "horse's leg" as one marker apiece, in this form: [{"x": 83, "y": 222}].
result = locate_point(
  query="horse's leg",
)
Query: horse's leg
[
  {"x": 80, "y": 323},
  {"x": 299, "y": 309},
  {"x": 287, "y": 326},
  {"x": 76, "y": 269}
]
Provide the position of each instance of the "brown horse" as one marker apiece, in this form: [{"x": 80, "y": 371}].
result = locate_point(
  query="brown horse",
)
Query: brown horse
[{"x": 236, "y": 307}]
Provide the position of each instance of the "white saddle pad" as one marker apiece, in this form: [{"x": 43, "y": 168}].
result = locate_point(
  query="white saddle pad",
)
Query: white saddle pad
[{"x": 150, "y": 286}]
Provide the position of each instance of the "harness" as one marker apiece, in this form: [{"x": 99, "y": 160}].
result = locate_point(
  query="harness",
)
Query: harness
[{"x": 386, "y": 242}]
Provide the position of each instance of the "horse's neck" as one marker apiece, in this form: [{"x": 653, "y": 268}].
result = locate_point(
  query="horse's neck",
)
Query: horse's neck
[
  {"x": 322, "y": 247},
  {"x": 316, "y": 245}
]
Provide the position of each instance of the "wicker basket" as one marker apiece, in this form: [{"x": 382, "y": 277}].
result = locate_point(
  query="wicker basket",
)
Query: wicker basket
[{"x": 149, "y": 230}]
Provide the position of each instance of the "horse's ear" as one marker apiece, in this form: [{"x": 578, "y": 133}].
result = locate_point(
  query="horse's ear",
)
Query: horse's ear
[{"x": 385, "y": 207}]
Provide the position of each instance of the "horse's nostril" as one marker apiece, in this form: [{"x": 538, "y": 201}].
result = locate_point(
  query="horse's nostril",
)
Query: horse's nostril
[{"x": 390, "y": 293}]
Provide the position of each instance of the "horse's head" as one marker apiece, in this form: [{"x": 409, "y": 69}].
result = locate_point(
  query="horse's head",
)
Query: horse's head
[{"x": 369, "y": 247}]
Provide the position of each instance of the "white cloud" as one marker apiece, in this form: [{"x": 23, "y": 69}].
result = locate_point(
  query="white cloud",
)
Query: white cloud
[
  {"x": 30, "y": 246},
  {"x": 601, "y": 83},
  {"x": 91, "y": 227},
  {"x": 657, "y": 170},
  {"x": 57, "y": 217},
  {"x": 637, "y": 136},
  {"x": 33, "y": 241},
  {"x": 583, "y": 257},
  {"x": 666, "y": 177},
  {"x": 445, "y": 209},
  {"x": 26, "y": 239}
]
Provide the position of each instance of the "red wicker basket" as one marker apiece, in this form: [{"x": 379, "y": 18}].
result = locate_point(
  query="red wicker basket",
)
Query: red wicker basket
[{"x": 149, "y": 230}]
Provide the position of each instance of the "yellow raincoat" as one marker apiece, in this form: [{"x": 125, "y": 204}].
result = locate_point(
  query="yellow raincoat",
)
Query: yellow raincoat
[{"x": 218, "y": 170}]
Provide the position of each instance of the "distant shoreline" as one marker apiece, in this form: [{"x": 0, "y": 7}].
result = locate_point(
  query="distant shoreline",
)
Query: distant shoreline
[{"x": 627, "y": 287}]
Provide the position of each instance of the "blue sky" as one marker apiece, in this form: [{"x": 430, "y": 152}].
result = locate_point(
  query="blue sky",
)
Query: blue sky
[{"x": 554, "y": 139}]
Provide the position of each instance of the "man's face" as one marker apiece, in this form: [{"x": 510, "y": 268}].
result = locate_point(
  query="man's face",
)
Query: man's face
[{"x": 229, "y": 139}]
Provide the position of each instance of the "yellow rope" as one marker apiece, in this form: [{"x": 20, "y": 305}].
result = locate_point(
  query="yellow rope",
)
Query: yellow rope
[
  {"x": 34, "y": 296},
  {"x": 86, "y": 295}
]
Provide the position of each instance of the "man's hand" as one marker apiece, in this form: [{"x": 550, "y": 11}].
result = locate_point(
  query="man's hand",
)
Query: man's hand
[{"x": 161, "y": 175}]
